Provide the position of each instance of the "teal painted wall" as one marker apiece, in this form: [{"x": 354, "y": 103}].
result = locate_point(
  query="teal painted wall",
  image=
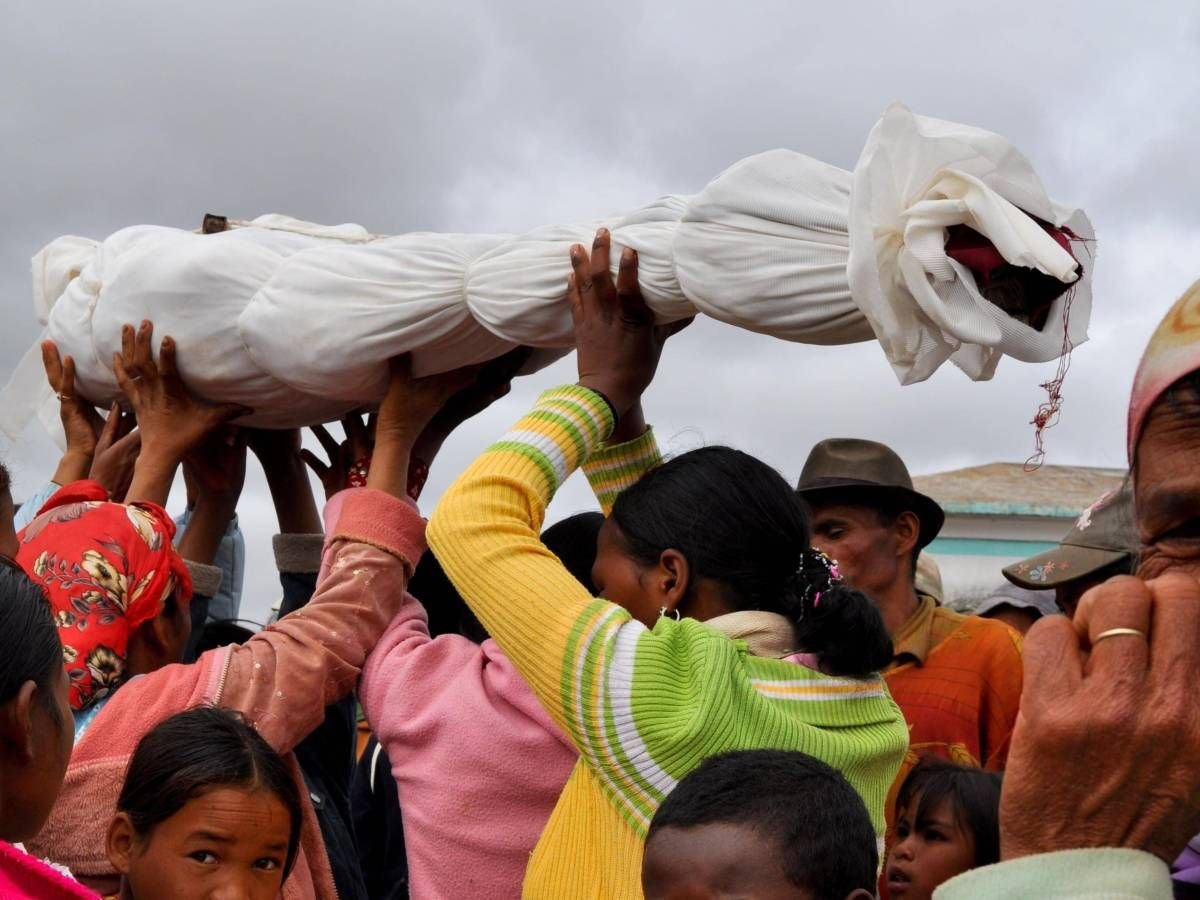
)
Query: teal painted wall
[{"x": 983, "y": 547}]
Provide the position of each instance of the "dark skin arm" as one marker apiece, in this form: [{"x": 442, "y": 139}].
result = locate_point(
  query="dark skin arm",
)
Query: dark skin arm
[
  {"x": 279, "y": 453},
  {"x": 216, "y": 472}
]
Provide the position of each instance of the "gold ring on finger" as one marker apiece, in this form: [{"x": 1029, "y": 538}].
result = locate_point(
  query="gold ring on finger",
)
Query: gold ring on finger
[{"x": 1118, "y": 632}]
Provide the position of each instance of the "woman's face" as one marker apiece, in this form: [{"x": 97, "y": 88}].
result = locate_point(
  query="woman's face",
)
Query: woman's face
[
  {"x": 1167, "y": 492},
  {"x": 928, "y": 852},
  {"x": 32, "y": 786},
  {"x": 229, "y": 842},
  {"x": 622, "y": 580}
]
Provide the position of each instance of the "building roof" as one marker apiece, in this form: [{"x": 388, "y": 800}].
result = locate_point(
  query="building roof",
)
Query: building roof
[{"x": 1006, "y": 489}]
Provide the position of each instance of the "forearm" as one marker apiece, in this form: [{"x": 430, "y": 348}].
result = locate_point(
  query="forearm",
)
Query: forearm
[
  {"x": 389, "y": 463},
  {"x": 153, "y": 475},
  {"x": 291, "y": 492},
  {"x": 289, "y": 672},
  {"x": 74, "y": 466},
  {"x": 485, "y": 533},
  {"x": 205, "y": 529}
]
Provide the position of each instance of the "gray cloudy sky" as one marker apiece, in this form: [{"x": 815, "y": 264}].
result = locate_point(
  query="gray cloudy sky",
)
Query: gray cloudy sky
[{"x": 489, "y": 116}]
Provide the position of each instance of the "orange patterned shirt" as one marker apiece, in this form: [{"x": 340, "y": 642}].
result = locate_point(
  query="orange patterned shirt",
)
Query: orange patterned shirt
[{"x": 957, "y": 679}]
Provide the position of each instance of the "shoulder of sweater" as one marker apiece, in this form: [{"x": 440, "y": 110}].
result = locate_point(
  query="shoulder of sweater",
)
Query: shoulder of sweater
[{"x": 141, "y": 703}]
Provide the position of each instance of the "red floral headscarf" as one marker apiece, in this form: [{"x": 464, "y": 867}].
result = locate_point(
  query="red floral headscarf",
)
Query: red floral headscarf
[{"x": 106, "y": 568}]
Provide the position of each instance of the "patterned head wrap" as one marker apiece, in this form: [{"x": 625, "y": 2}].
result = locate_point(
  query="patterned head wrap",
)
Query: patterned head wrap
[
  {"x": 106, "y": 568},
  {"x": 1173, "y": 352}
]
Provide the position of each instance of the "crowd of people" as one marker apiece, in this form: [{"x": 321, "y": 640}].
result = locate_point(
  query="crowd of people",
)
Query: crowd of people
[{"x": 720, "y": 685}]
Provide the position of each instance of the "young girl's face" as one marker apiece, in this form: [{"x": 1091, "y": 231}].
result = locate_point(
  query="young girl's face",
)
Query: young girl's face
[
  {"x": 927, "y": 852},
  {"x": 229, "y": 842}
]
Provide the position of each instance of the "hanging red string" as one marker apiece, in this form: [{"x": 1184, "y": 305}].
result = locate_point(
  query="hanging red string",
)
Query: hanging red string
[{"x": 1048, "y": 412}]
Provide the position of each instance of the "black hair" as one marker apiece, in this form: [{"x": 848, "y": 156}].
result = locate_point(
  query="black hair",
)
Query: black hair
[
  {"x": 197, "y": 751},
  {"x": 221, "y": 633},
  {"x": 5, "y": 478},
  {"x": 29, "y": 642},
  {"x": 572, "y": 540},
  {"x": 738, "y": 522},
  {"x": 973, "y": 795},
  {"x": 820, "y": 825}
]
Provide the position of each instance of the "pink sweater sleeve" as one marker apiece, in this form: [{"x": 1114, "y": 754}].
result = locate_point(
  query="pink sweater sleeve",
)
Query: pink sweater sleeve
[{"x": 283, "y": 678}]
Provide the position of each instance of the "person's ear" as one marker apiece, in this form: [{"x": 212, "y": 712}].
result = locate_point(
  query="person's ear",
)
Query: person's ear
[
  {"x": 156, "y": 643},
  {"x": 16, "y": 724},
  {"x": 672, "y": 578},
  {"x": 908, "y": 532},
  {"x": 860, "y": 894},
  {"x": 120, "y": 843}
]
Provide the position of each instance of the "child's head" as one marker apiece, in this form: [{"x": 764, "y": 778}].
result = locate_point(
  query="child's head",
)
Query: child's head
[
  {"x": 947, "y": 821},
  {"x": 763, "y": 823},
  {"x": 207, "y": 808}
]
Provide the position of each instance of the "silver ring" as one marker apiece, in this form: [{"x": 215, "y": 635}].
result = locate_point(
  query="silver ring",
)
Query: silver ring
[{"x": 62, "y": 397}]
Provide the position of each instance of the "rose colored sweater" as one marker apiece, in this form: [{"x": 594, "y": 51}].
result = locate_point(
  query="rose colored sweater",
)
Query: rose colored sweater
[
  {"x": 281, "y": 680},
  {"x": 478, "y": 761}
]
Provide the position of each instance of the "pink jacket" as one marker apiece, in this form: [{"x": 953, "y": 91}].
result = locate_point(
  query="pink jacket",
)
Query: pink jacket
[
  {"x": 281, "y": 679},
  {"x": 24, "y": 877},
  {"x": 478, "y": 762}
]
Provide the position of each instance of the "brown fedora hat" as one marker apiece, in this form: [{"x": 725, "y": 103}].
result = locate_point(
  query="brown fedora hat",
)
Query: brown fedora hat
[{"x": 852, "y": 470}]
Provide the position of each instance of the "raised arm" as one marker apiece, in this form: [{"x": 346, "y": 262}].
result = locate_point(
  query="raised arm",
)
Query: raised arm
[
  {"x": 285, "y": 676},
  {"x": 486, "y": 529}
]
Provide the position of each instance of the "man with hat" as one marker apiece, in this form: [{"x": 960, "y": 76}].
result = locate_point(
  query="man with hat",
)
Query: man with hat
[
  {"x": 1100, "y": 546},
  {"x": 956, "y": 678}
]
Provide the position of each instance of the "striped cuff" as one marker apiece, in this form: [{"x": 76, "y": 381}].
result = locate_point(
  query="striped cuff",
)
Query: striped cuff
[
  {"x": 612, "y": 469},
  {"x": 565, "y": 427}
]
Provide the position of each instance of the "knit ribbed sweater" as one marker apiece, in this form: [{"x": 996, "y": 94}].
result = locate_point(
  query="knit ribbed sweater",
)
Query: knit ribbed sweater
[{"x": 643, "y": 706}]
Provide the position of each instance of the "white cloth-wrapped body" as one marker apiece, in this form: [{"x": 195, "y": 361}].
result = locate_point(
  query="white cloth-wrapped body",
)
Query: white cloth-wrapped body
[{"x": 297, "y": 320}]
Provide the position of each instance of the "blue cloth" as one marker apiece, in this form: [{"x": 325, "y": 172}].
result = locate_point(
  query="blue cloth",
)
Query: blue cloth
[
  {"x": 231, "y": 560},
  {"x": 85, "y": 717},
  {"x": 29, "y": 509}
]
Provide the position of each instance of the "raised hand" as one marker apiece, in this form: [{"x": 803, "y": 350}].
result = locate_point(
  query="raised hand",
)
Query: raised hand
[
  {"x": 172, "y": 422},
  {"x": 81, "y": 423},
  {"x": 349, "y": 460},
  {"x": 116, "y": 452},
  {"x": 618, "y": 346},
  {"x": 1105, "y": 747}
]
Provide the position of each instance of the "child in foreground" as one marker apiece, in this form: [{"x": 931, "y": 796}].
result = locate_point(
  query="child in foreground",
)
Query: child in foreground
[
  {"x": 769, "y": 824},
  {"x": 947, "y": 821},
  {"x": 208, "y": 809}
]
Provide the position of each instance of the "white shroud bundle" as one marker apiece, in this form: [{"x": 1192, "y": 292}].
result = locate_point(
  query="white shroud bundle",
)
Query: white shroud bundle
[{"x": 297, "y": 320}]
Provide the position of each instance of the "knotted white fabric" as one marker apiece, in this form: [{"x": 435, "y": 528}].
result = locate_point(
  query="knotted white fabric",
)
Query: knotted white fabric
[{"x": 297, "y": 320}]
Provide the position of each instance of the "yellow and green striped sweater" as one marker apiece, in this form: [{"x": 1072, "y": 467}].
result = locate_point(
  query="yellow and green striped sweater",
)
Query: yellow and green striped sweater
[{"x": 643, "y": 706}]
